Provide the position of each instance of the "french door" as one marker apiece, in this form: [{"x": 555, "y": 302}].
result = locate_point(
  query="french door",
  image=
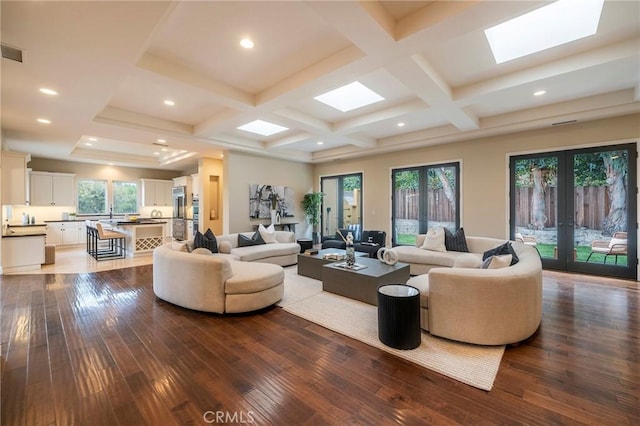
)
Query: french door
[
  {"x": 341, "y": 204},
  {"x": 578, "y": 208}
]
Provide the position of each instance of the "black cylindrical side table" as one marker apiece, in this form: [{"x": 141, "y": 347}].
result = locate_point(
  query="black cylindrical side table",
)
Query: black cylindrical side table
[{"x": 399, "y": 316}]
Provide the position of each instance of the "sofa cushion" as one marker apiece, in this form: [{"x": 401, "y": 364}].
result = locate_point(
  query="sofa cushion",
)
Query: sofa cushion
[
  {"x": 455, "y": 242},
  {"x": 434, "y": 240},
  {"x": 253, "y": 253},
  {"x": 497, "y": 262},
  {"x": 415, "y": 255},
  {"x": 505, "y": 248},
  {"x": 468, "y": 260},
  {"x": 179, "y": 246},
  {"x": 253, "y": 277},
  {"x": 268, "y": 234},
  {"x": 202, "y": 250},
  {"x": 244, "y": 241}
]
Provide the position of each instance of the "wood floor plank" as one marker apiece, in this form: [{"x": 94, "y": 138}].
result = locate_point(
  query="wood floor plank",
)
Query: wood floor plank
[{"x": 100, "y": 348}]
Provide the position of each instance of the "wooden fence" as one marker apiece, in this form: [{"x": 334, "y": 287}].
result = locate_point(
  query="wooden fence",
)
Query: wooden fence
[
  {"x": 407, "y": 205},
  {"x": 591, "y": 205}
]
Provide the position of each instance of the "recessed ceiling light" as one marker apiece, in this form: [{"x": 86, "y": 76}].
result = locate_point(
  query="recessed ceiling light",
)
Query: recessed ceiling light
[
  {"x": 162, "y": 140},
  {"x": 44, "y": 121},
  {"x": 246, "y": 43},
  {"x": 539, "y": 93},
  {"x": 557, "y": 23},
  {"x": 169, "y": 102},
  {"x": 47, "y": 91},
  {"x": 221, "y": 155},
  {"x": 401, "y": 124},
  {"x": 88, "y": 143},
  {"x": 93, "y": 139},
  {"x": 346, "y": 98},
  {"x": 320, "y": 143},
  {"x": 164, "y": 149},
  {"x": 263, "y": 128},
  {"x": 156, "y": 153}
]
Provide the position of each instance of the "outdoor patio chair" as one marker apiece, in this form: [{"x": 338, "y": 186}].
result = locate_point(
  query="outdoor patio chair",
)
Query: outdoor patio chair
[
  {"x": 617, "y": 246},
  {"x": 529, "y": 240}
]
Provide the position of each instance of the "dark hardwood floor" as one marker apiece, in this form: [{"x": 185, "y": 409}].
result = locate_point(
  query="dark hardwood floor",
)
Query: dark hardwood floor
[{"x": 98, "y": 348}]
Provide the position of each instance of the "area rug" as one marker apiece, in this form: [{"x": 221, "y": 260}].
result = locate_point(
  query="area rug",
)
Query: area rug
[{"x": 471, "y": 364}]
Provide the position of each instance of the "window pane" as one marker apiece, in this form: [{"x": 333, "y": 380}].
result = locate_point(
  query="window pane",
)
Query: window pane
[
  {"x": 92, "y": 196},
  {"x": 125, "y": 197},
  {"x": 406, "y": 197},
  {"x": 441, "y": 197}
]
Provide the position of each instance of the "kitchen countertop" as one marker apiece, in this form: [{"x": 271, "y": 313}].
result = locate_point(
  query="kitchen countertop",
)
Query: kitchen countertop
[{"x": 35, "y": 234}]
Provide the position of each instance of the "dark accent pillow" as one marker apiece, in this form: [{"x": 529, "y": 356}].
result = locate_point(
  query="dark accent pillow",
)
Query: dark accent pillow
[
  {"x": 377, "y": 237},
  {"x": 255, "y": 240},
  {"x": 505, "y": 248},
  {"x": 206, "y": 240},
  {"x": 455, "y": 242}
]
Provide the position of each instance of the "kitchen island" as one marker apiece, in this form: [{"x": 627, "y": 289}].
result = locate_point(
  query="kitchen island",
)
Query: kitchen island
[
  {"x": 141, "y": 236},
  {"x": 22, "y": 248}
]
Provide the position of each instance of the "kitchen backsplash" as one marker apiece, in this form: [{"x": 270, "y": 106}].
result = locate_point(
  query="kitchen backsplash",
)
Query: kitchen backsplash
[{"x": 42, "y": 214}]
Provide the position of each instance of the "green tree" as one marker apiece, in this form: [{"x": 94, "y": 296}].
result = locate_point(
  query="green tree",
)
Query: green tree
[{"x": 92, "y": 196}]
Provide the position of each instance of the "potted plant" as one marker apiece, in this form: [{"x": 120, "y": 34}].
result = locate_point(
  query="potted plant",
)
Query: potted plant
[{"x": 311, "y": 203}]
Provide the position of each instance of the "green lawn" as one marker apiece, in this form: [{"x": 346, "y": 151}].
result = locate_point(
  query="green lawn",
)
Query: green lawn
[{"x": 546, "y": 251}]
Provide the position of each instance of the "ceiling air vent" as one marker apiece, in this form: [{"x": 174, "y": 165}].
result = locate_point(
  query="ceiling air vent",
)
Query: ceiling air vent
[{"x": 11, "y": 53}]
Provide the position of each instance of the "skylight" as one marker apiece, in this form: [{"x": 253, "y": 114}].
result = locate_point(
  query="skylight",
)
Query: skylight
[
  {"x": 346, "y": 98},
  {"x": 557, "y": 23},
  {"x": 263, "y": 128}
]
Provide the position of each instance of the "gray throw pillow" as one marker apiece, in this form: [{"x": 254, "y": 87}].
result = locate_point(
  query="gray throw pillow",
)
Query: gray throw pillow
[{"x": 255, "y": 240}]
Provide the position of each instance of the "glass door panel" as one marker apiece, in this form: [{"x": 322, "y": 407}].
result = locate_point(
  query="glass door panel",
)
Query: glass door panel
[
  {"x": 442, "y": 202},
  {"x": 603, "y": 211},
  {"x": 406, "y": 198},
  {"x": 342, "y": 204},
  {"x": 535, "y": 203}
]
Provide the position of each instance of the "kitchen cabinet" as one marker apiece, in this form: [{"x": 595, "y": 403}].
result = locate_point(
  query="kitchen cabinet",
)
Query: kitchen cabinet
[
  {"x": 51, "y": 189},
  {"x": 156, "y": 192},
  {"x": 66, "y": 233},
  {"x": 23, "y": 253},
  {"x": 14, "y": 177}
]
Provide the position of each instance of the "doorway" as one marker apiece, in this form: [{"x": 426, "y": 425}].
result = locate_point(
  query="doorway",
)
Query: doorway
[
  {"x": 578, "y": 208},
  {"x": 341, "y": 204}
]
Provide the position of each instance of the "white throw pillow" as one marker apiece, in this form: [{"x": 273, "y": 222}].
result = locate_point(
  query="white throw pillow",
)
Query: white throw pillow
[
  {"x": 268, "y": 234},
  {"x": 434, "y": 240},
  {"x": 179, "y": 246},
  {"x": 224, "y": 247},
  {"x": 497, "y": 262}
]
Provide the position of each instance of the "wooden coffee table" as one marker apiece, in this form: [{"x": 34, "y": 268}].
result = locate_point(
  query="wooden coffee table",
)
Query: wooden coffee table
[
  {"x": 311, "y": 265},
  {"x": 362, "y": 284}
]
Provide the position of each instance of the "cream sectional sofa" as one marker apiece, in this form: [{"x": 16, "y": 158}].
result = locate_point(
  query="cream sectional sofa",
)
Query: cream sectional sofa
[
  {"x": 462, "y": 302},
  {"x": 284, "y": 252},
  {"x": 214, "y": 282}
]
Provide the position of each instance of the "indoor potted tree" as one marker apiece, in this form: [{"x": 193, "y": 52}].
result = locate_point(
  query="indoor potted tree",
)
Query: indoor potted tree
[{"x": 311, "y": 203}]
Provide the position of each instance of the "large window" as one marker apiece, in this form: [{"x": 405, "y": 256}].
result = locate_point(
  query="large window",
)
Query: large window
[
  {"x": 424, "y": 197},
  {"x": 92, "y": 196},
  {"x": 124, "y": 197}
]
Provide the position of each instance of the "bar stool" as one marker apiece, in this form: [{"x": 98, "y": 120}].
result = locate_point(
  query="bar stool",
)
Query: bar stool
[{"x": 103, "y": 243}]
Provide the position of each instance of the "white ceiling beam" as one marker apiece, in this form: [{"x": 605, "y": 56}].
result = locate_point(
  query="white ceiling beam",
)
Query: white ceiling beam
[
  {"x": 120, "y": 117},
  {"x": 421, "y": 78},
  {"x": 354, "y": 124},
  {"x": 222, "y": 93},
  {"x": 306, "y": 121},
  {"x": 300, "y": 137},
  {"x": 467, "y": 94}
]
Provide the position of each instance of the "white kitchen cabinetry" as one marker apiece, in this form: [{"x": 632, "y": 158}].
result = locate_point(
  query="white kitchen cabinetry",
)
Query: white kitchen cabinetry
[
  {"x": 24, "y": 253},
  {"x": 156, "y": 192},
  {"x": 195, "y": 185},
  {"x": 14, "y": 177},
  {"x": 66, "y": 233},
  {"x": 51, "y": 189}
]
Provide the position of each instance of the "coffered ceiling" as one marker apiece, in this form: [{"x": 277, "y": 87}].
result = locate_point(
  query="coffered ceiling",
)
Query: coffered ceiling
[{"x": 114, "y": 64}]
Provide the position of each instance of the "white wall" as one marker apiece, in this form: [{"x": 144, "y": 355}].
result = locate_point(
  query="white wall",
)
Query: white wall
[{"x": 243, "y": 170}]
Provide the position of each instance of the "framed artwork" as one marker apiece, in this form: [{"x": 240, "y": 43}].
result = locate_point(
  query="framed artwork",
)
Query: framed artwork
[{"x": 264, "y": 198}]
